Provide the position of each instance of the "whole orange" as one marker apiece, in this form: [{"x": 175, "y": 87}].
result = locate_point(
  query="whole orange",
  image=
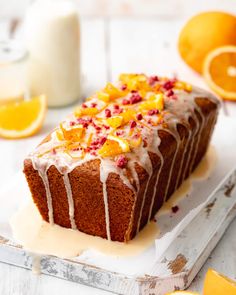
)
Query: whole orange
[{"x": 203, "y": 33}]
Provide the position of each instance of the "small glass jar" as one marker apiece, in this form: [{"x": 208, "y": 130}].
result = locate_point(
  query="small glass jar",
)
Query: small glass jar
[{"x": 13, "y": 71}]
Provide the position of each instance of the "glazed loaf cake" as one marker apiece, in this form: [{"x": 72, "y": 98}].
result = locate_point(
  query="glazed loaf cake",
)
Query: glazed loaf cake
[{"x": 109, "y": 167}]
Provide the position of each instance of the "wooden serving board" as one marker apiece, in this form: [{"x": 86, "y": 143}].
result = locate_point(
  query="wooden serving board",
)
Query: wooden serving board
[{"x": 174, "y": 269}]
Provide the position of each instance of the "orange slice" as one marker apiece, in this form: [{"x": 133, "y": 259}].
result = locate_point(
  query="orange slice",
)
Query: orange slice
[
  {"x": 22, "y": 119},
  {"x": 79, "y": 111},
  {"x": 128, "y": 115},
  {"x": 220, "y": 71},
  {"x": 113, "y": 146},
  {"x": 183, "y": 293},
  {"x": 114, "y": 121},
  {"x": 74, "y": 133},
  {"x": 155, "y": 102},
  {"x": 217, "y": 284}
]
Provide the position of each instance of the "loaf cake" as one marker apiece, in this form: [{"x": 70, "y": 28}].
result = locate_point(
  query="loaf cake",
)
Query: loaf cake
[{"x": 109, "y": 166}]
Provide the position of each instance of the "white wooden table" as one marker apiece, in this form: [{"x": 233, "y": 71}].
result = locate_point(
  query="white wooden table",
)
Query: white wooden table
[{"x": 111, "y": 46}]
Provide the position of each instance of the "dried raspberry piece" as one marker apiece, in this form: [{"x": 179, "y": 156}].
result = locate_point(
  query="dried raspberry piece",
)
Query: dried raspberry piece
[
  {"x": 153, "y": 112},
  {"x": 135, "y": 98},
  {"x": 102, "y": 140},
  {"x": 96, "y": 126},
  {"x": 168, "y": 85},
  {"x": 152, "y": 80},
  {"x": 117, "y": 111},
  {"x": 123, "y": 87},
  {"x": 139, "y": 116},
  {"x": 107, "y": 113},
  {"x": 83, "y": 122},
  {"x": 116, "y": 107},
  {"x": 98, "y": 142},
  {"x": 87, "y": 150},
  {"x": 133, "y": 124},
  {"x": 125, "y": 101},
  {"x": 121, "y": 162},
  {"x": 119, "y": 132},
  {"x": 84, "y": 105},
  {"x": 93, "y": 105},
  {"x": 106, "y": 127},
  {"x": 175, "y": 209},
  {"x": 169, "y": 93},
  {"x": 72, "y": 123}
]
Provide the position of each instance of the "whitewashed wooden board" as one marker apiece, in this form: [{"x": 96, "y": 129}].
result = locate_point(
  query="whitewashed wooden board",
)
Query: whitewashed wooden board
[{"x": 175, "y": 269}]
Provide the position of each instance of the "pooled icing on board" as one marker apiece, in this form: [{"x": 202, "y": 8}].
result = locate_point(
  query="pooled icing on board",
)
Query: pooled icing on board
[{"x": 119, "y": 125}]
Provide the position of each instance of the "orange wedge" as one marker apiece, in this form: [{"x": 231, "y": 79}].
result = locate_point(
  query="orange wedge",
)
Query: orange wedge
[
  {"x": 113, "y": 146},
  {"x": 183, "y": 293},
  {"x": 217, "y": 284},
  {"x": 114, "y": 121},
  {"x": 219, "y": 71},
  {"x": 22, "y": 119}
]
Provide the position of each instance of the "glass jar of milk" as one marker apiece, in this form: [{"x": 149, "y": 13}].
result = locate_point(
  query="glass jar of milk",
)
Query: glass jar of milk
[{"x": 52, "y": 36}]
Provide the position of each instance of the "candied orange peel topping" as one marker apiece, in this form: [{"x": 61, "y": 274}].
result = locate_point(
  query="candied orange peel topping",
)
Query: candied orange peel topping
[
  {"x": 74, "y": 133},
  {"x": 113, "y": 146},
  {"x": 118, "y": 118}
]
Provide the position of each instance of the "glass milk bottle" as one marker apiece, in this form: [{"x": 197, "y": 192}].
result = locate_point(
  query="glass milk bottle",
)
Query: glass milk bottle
[{"x": 52, "y": 36}]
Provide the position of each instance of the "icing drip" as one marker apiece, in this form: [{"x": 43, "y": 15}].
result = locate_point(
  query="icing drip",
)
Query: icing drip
[
  {"x": 131, "y": 166},
  {"x": 183, "y": 156},
  {"x": 49, "y": 197},
  {"x": 150, "y": 172},
  {"x": 42, "y": 170},
  {"x": 198, "y": 139},
  {"x": 175, "y": 134},
  {"x": 197, "y": 122},
  {"x": 156, "y": 184},
  {"x": 154, "y": 149},
  {"x": 103, "y": 178},
  {"x": 70, "y": 200}
]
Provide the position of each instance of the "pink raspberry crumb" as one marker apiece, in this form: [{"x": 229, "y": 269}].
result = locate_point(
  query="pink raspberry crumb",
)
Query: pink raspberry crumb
[
  {"x": 107, "y": 113},
  {"x": 125, "y": 101},
  {"x": 168, "y": 85},
  {"x": 135, "y": 98},
  {"x": 123, "y": 87},
  {"x": 133, "y": 124},
  {"x": 139, "y": 116},
  {"x": 169, "y": 93},
  {"x": 116, "y": 106},
  {"x": 153, "y": 112},
  {"x": 121, "y": 162},
  {"x": 175, "y": 209},
  {"x": 152, "y": 80}
]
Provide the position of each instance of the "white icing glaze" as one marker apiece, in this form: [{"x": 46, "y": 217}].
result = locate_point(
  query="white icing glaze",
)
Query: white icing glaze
[
  {"x": 70, "y": 200},
  {"x": 179, "y": 112},
  {"x": 103, "y": 177},
  {"x": 42, "y": 170}
]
